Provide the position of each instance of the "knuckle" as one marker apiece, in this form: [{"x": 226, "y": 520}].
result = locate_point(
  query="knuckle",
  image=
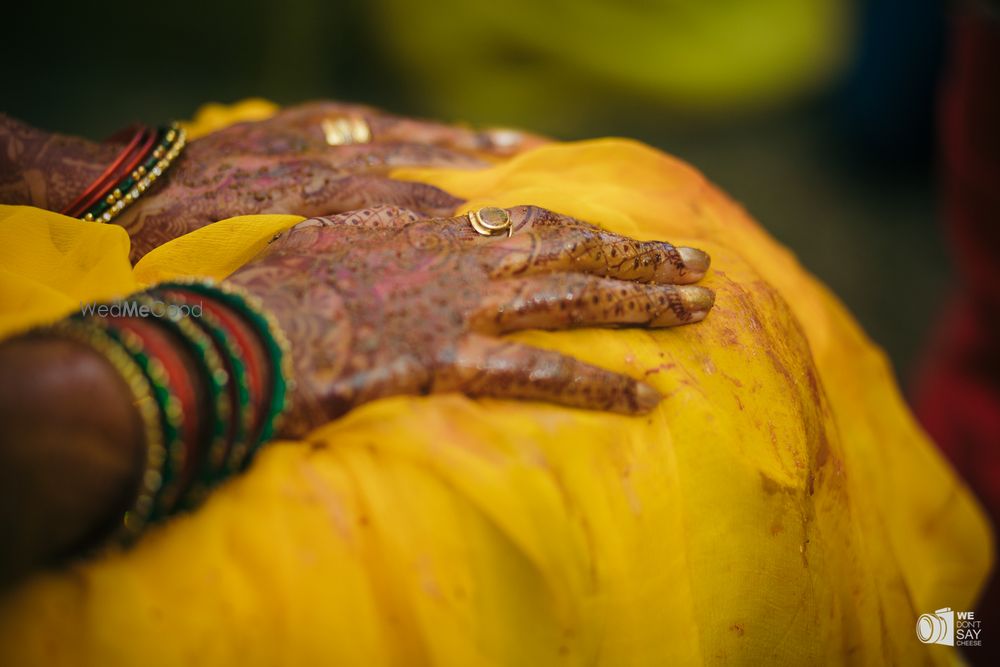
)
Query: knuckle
[{"x": 530, "y": 212}]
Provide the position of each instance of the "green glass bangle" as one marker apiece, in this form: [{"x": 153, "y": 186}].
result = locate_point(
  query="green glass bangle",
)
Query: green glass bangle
[
  {"x": 172, "y": 414},
  {"x": 275, "y": 344},
  {"x": 215, "y": 378},
  {"x": 220, "y": 464},
  {"x": 224, "y": 463}
]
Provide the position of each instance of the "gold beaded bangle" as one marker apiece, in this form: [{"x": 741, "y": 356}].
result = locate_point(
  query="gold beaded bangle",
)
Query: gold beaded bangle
[
  {"x": 171, "y": 411},
  {"x": 97, "y": 339},
  {"x": 128, "y": 191}
]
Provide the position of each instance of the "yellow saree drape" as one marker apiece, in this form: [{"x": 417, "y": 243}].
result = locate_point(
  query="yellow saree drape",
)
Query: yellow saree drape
[{"x": 780, "y": 506}]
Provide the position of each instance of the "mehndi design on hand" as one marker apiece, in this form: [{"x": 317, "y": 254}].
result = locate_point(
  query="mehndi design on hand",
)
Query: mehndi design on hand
[
  {"x": 279, "y": 165},
  {"x": 382, "y": 302}
]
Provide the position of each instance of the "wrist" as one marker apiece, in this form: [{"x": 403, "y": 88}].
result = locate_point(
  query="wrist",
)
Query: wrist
[{"x": 45, "y": 169}]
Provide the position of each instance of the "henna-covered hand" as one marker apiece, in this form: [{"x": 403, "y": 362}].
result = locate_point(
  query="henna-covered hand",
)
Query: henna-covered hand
[
  {"x": 301, "y": 129},
  {"x": 382, "y": 302},
  {"x": 280, "y": 165}
]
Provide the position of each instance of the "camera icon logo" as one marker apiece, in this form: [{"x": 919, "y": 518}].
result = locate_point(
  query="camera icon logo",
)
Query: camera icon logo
[{"x": 937, "y": 628}]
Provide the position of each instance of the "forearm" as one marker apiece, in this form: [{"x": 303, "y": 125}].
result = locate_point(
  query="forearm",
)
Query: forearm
[
  {"x": 71, "y": 450},
  {"x": 45, "y": 169},
  {"x": 129, "y": 415}
]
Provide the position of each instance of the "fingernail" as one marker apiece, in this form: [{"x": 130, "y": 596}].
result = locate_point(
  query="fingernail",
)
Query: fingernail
[
  {"x": 695, "y": 260},
  {"x": 697, "y": 299},
  {"x": 646, "y": 397}
]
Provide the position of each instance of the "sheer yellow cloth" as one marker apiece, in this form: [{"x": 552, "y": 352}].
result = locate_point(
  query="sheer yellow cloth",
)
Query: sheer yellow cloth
[{"x": 780, "y": 506}]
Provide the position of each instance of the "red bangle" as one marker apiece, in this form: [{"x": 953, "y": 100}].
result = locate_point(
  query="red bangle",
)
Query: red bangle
[
  {"x": 140, "y": 155},
  {"x": 257, "y": 367},
  {"x": 159, "y": 344},
  {"x": 137, "y": 157},
  {"x": 96, "y": 189},
  {"x": 252, "y": 352},
  {"x": 227, "y": 458}
]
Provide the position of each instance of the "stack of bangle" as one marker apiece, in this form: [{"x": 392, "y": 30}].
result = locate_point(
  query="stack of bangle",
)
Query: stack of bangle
[
  {"x": 146, "y": 156},
  {"x": 209, "y": 372}
]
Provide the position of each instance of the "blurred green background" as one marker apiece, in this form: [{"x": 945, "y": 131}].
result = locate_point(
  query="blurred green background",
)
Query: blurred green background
[{"x": 817, "y": 115}]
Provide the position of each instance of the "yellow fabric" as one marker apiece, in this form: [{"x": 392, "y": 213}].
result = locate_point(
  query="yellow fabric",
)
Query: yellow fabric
[
  {"x": 50, "y": 264},
  {"x": 53, "y": 264},
  {"x": 779, "y": 507},
  {"x": 229, "y": 243},
  {"x": 212, "y": 117}
]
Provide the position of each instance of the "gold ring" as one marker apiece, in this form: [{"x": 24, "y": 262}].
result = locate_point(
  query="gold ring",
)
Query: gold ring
[
  {"x": 503, "y": 139},
  {"x": 491, "y": 221},
  {"x": 347, "y": 130}
]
